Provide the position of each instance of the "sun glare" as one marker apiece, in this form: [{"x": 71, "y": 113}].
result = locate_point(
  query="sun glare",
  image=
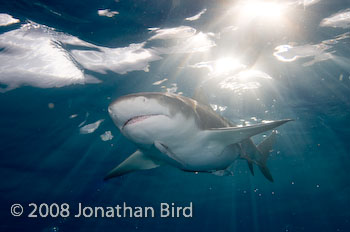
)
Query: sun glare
[
  {"x": 226, "y": 65},
  {"x": 264, "y": 10}
]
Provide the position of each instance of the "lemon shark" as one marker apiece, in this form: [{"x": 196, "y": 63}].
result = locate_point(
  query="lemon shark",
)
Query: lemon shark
[{"x": 186, "y": 133}]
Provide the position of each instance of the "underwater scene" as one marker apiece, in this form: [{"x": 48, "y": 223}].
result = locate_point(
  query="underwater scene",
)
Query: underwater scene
[{"x": 175, "y": 115}]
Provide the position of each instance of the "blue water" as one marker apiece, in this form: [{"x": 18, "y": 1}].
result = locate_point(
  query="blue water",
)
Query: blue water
[{"x": 63, "y": 62}]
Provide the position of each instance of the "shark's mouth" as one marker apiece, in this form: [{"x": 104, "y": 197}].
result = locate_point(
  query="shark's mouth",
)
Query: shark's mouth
[{"x": 138, "y": 119}]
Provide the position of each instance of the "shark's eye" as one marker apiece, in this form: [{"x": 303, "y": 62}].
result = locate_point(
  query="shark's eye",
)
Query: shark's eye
[{"x": 144, "y": 99}]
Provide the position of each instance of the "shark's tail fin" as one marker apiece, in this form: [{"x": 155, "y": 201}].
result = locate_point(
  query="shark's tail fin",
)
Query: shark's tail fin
[{"x": 264, "y": 149}]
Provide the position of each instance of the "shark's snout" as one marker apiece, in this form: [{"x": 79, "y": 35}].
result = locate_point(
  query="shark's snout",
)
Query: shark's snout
[
  {"x": 134, "y": 108},
  {"x": 115, "y": 113}
]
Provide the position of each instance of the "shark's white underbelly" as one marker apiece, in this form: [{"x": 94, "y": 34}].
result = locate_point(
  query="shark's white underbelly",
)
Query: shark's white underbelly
[
  {"x": 197, "y": 154},
  {"x": 181, "y": 142}
]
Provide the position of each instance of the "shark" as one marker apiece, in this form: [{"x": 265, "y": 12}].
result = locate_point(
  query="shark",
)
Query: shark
[{"x": 171, "y": 129}]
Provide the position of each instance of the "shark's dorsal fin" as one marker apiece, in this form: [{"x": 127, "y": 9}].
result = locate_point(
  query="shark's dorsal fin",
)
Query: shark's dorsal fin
[
  {"x": 137, "y": 161},
  {"x": 201, "y": 97},
  {"x": 231, "y": 135}
]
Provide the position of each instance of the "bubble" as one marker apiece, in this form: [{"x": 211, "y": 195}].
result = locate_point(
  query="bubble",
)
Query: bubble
[
  {"x": 106, "y": 136},
  {"x": 51, "y": 105},
  {"x": 53, "y": 229}
]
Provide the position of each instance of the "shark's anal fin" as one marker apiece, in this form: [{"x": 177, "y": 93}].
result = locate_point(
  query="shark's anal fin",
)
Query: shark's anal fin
[{"x": 137, "y": 161}]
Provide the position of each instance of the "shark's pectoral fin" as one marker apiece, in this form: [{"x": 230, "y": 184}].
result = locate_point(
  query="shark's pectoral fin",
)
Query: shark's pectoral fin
[
  {"x": 137, "y": 161},
  {"x": 231, "y": 135}
]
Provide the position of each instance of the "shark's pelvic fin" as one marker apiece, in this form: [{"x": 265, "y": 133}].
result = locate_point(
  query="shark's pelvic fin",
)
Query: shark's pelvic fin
[
  {"x": 231, "y": 135},
  {"x": 137, "y": 161},
  {"x": 248, "y": 158},
  {"x": 251, "y": 167}
]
